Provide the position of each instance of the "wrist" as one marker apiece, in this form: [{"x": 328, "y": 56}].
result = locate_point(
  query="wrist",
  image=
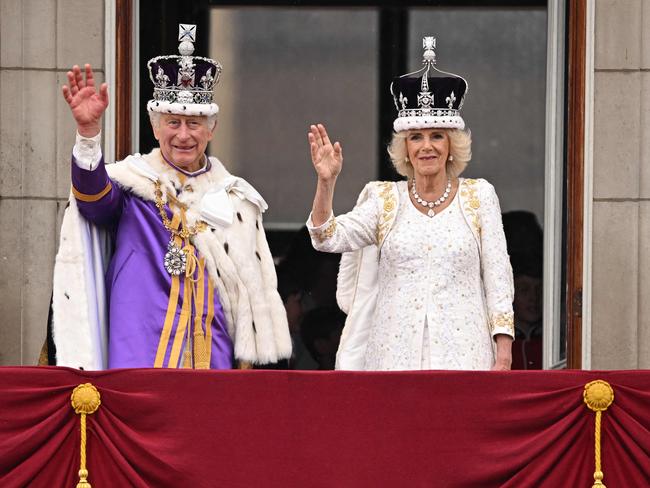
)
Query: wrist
[
  {"x": 326, "y": 183},
  {"x": 88, "y": 131}
]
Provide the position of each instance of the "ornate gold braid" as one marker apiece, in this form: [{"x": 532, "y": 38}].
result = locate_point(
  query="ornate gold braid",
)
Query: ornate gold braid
[
  {"x": 388, "y": 208},
  {"x": 472, "y": 203},
  {"x": 184, "y": 233}
]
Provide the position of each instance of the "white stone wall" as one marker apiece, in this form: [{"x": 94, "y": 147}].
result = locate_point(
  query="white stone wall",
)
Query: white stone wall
[
  {"x": 621, "y": 191},
  {"x": 39, "y": 41}
]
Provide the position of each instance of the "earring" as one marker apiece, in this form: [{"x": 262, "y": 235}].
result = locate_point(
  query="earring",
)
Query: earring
[{"x": 451, "y": 158}]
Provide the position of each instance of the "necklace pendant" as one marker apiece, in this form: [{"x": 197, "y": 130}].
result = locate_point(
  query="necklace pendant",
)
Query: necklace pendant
[
  {"x": 431, "y": 213},
  {"x": 175, "y": 260}
]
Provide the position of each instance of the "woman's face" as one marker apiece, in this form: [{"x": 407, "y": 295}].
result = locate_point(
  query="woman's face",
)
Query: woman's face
[{"x": 428, "y": 150}]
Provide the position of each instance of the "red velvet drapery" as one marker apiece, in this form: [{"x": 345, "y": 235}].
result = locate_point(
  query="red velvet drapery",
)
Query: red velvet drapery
[{"x": 175, "y": 428}]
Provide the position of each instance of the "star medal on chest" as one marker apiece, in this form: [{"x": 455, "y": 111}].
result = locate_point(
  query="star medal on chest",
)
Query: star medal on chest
[{"x": 175, "y": 260}]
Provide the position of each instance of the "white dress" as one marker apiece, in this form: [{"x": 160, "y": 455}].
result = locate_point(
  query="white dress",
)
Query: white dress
[{"x": 433, "y": 307}]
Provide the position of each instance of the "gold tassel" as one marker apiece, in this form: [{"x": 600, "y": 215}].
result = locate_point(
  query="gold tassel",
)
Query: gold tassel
[
  {"x": 85, "y": 400},
  {"x": 598, "y": 395},
  {"x": 187, "y": 359}
]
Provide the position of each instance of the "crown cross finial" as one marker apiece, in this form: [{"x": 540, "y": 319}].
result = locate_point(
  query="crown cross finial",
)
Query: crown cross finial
[
  {"x": 429, "y": 42},
  {"x": 429, "y": 45},
  {"x": 187, "y": 32},
  {"x": 186, "y": 36}
]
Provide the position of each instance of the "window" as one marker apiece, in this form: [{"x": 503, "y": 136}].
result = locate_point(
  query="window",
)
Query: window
[{"x": 285, "y": 68}]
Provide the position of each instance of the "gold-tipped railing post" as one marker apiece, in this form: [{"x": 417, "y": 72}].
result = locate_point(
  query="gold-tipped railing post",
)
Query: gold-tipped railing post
[
  {"x": 85, "y": 400},
  {"x": 598, "y": 395}
]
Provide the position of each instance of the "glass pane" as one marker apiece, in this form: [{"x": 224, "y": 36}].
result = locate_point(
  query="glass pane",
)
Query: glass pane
[
  {"x": 502, "y": 54},
  {"x": 284, "y": 69}
]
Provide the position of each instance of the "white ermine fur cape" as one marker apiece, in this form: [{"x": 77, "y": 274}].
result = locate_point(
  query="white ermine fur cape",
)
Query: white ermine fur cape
[{"x": 237, "y": 257}]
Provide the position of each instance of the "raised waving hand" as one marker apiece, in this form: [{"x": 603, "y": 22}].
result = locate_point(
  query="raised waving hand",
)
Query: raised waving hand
[
  {"x": 86, "y": 103},
  {"x": 327, "y": 157}
]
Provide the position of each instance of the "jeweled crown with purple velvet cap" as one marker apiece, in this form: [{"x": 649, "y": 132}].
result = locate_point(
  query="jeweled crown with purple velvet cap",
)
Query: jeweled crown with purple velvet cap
[
  {"x": 184, "y": 84},
  {"x": 429, "y": 97}
]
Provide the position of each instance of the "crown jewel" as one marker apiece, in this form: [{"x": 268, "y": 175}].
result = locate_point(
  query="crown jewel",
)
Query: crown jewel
[
  {"x": 428, "y": 97},
  {"x": 183, "y": 84}
]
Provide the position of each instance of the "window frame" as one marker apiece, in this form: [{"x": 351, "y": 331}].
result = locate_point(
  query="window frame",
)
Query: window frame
[{"x": 566, "y": 254}]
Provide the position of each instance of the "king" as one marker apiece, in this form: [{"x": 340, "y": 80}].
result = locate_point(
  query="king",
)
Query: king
[{"x": 163, "y": 261}]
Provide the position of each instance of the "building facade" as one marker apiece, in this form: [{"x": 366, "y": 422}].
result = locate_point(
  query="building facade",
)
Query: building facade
[{"x": 41, "y": 40}]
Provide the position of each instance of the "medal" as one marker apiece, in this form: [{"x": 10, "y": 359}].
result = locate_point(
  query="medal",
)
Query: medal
[{"x": 175, "y": 260}]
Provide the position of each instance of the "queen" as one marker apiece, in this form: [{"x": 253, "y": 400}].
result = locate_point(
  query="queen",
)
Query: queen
[{"x": 425, "y": 277}]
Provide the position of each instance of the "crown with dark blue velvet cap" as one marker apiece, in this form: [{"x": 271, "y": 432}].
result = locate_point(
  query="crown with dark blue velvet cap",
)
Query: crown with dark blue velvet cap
[
  {"x": 429, "y": 97},
  {"x": 184, "y": 84}
]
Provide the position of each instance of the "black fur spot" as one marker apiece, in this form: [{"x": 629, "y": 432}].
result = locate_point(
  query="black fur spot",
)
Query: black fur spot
[
  {"x": 254, "y": 328},
  {"x": 258, "y": 255},
  {"x": 66, "y": 295},
  {"x": 239, "y": 217},
  {"x": 257, "y": 225},
  {"x": 218, "y": 273},
  {"x": 225, "y": 246}
]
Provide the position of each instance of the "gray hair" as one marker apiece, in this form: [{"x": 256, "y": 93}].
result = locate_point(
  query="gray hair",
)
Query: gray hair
[
  {"x": 460, "y": 147},
  {"x": 154, "y": 118}
]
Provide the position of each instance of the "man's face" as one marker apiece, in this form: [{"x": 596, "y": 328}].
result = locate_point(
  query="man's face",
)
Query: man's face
[{"x": 183, "y": 139}]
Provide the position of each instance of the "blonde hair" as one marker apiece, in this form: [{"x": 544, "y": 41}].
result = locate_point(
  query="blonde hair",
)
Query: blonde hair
[{"x": 460, "y": 147}]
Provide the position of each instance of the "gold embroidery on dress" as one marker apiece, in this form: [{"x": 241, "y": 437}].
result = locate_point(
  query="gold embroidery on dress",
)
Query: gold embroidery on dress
[
  {"x": 504, "y": 319},
  {"x": 471, "y": 202},
  {"x": 327, "y": 232},
  {"x": 388, "y": 197}
]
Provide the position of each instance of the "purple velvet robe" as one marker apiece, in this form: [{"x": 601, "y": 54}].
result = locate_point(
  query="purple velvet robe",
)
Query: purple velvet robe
[{"x": 137, "y": 283}]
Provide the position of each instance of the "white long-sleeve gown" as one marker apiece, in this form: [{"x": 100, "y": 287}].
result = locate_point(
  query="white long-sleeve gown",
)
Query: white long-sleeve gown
[{"x": 434, "y": 310}]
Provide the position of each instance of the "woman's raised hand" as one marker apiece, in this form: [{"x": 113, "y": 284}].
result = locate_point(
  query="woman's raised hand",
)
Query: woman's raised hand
[
  {"x": 327, "y": 157},
  {"x": 86, "y": 103}
]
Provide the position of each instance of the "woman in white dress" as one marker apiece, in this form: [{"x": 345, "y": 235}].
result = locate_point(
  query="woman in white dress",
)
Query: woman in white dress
[{"x": 434, "y": 289}]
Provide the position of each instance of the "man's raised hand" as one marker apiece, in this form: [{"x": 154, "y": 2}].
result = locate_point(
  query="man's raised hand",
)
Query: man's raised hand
[{"x": 86, "y": 103}]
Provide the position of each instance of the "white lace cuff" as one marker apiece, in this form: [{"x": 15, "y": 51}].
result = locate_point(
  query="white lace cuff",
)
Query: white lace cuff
[{"x": 87, "y": 151}]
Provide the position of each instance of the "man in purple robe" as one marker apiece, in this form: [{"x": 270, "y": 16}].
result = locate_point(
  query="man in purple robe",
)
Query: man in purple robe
[{"x": 163, "y": 261}]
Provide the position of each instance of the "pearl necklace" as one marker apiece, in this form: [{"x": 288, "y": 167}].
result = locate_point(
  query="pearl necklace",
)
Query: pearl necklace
[{"x": 430, "y": 205}]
